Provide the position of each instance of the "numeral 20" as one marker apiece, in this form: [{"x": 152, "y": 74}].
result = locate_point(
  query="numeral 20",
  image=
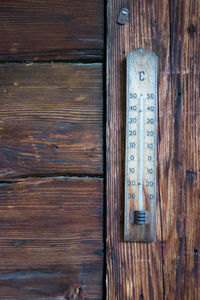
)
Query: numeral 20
[
  {"x": 131, "y": 182},
  {"x": 132, "y": 132},
  {"x": 150, "y": 133}
]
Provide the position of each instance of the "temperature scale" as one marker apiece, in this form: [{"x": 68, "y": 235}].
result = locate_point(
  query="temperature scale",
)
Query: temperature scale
[{"x": 141, "y": 145}]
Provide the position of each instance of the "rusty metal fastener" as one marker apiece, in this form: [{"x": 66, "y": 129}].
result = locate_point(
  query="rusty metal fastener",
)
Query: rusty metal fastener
[
  {"x": 140, "y": 217},
  {"x": 123, "y": 16}
]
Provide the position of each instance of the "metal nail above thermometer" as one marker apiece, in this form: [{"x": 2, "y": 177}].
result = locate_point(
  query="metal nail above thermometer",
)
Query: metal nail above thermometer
[{"x": 141, "y": 145}]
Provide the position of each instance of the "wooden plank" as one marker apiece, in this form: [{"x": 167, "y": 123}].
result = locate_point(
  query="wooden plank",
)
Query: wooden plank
[
  {"x": 180, "y": 200},
  {"x": 51, "y": 238},
  {"x": 51, "y": 119},
  {"x": 51, "y": 269},
  {"x": 49, "y": 29},
  {"x": 33, "y": 205},
  {"x": 134, "y": 270}
]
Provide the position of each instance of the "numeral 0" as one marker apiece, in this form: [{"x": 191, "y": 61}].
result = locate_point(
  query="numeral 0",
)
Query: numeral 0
[
  {"x": 149, "y": 171},
  {"x": 149, "y": 145}
]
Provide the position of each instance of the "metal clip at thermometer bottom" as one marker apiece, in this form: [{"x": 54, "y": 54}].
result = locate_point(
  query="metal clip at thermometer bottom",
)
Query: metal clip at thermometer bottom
[{"x": 140, "y": 217}]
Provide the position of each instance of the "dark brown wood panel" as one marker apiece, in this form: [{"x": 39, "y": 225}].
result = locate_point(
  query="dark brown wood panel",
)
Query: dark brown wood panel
[
  {"x": 51, "y": 238},
  {"x": 51, "y": 119},
  {"x": 134, "y": 270},
  {"x": 180, "y": 176},
  {"x": 50, "y": 29},
  {"x": 167, "y": 269}
]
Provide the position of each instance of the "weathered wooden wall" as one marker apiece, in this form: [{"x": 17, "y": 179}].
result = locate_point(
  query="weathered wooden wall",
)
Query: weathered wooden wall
[
  {"x": 49, "y": 29},
  {"x": 51, "y": 149},
  {"x": 51, "y": 238},
  {"x": 51, "y": 119},
  {"x": 168, "y": 268},
  {"x": 51, "y": 242}
]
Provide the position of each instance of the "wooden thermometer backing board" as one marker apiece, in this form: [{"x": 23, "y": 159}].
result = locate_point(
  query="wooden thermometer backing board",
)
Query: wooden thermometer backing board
[{"x": 141, "y": 145}]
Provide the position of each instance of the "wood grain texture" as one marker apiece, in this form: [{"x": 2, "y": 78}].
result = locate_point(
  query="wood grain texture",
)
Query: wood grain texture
[
  {"x": 134, "y": 270},
  {"x": 51, "y": 119},
  {"x": 51, "y": 238},
  {"x": 180, "y": 176},
  {"x": 167, "y": 269},
  {"x": 49, "y": 29}
]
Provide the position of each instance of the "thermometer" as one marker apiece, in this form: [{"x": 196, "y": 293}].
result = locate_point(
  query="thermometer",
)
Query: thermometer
[{"x": 141, "y": 145}]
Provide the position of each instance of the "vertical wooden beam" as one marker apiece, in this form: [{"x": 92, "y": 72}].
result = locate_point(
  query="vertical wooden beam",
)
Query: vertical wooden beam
[
  {"x": 134, "y": 270},
  {"x": 181, "y": 219},
  {"x": 167, "y": 269}
]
